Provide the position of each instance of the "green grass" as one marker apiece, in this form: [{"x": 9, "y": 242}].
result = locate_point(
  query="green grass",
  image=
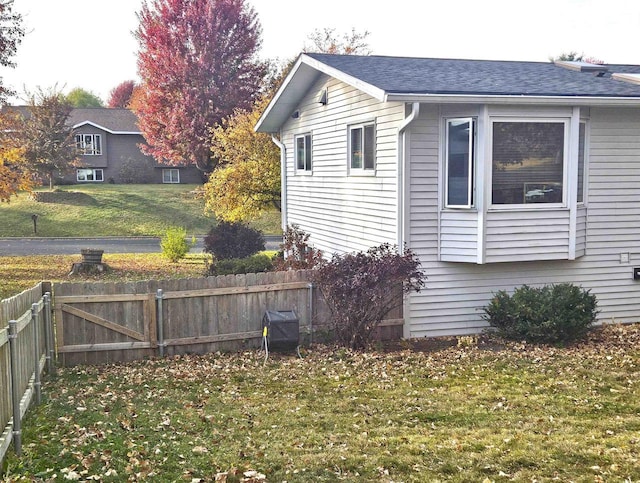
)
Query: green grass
[
  {"x": 521, "y": 413},
  {"x": 115, "y": 210}
]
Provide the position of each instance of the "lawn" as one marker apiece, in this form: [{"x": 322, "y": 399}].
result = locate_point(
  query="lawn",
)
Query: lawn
[
  {"x": 115, "y": 210},
  {"x": 472, "y": 412},
  {"x": 20, "y": 273}
]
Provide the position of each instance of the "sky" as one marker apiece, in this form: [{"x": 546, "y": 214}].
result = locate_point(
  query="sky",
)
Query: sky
[{"x": 89, "y": 43}]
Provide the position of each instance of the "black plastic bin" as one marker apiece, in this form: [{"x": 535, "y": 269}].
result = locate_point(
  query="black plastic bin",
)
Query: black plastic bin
[{"x": 283, "y": 329}]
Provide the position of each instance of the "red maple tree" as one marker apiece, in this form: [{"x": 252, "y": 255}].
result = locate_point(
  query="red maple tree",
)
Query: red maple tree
[
  {"x": 198, "y": 63},
  {"x": 120, "y": 95}
]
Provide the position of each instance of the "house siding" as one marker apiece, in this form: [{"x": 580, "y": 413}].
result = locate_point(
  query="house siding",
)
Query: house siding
[
  {"x": 343, "y": 212},
  {"x": 608, "y": 231},
  {"x": 123, "y": 162}
]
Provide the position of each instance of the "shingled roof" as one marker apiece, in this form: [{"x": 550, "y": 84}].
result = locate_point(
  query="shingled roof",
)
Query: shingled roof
[
  {"x": 117, "y": 121},
  {"x": 410, "y": 79},
  {"x": 112, "y": 120},
  {"x": 480, "y": 77}
]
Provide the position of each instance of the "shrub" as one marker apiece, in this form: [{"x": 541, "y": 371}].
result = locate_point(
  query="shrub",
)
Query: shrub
[
  {"x": 296, "y": 253},
  {"x": 174, "y": 244},
  {"x": 233, "y": 266},
  {"x": 553, "y": 313},
  {"x": 359, "y": 289},
  {"x": 233, "y": 240}
]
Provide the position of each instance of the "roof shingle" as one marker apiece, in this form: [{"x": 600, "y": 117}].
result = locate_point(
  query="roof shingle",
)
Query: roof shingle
[{"x": 407, "y": 75}]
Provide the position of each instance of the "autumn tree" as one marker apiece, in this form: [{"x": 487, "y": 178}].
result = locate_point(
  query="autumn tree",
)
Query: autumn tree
[
  {"x": 48, "y": 139},
  {"x": 11, "y": 33},
  {"x": 197, "y": 62},
  {"x": 328, "y": 41},
  {"x": 79, "y": 97},
  {"x": 120, "y": 95},
  {"x": 247, "y": 181},
  {"x": 15, "y": 173},
  {"x": 575, "y": 57}
]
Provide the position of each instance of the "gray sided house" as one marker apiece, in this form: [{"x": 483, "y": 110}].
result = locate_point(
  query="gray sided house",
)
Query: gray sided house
[
  {"x": 496, "y": 174},
  {"x": 108, "y": 142}
]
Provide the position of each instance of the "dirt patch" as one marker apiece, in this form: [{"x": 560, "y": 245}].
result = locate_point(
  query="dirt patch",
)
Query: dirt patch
[{"x": 63, "y": 197}]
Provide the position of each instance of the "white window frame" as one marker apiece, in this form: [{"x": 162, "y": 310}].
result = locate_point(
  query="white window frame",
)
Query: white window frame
[
  {"x": 363, "y": 169},
  {"x": 565, "y": 163},
  {"x": 307, "y": 162},
  {"x": 92, "y": 148},
  {"x": 82, "y": 175},
  {"x": 171, "y": 176},
  {"x": 585, "y": 162},
  {"x": 471, "y": 161}
]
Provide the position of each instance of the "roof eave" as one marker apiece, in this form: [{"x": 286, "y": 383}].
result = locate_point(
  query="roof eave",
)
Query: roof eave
[
  {"x": 284, "y": 103},
  {"x": 514, "y": 99},
  {"x": 110, "y": 131}
]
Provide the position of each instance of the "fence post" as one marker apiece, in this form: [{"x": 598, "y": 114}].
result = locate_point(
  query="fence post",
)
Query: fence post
[
  {"x": 48, "y": 334},
  {"x": 161, "y": 345},
  {"x": 13, "y": 351},
  {"x": 36, "y": 353},
  {"x": 310, "y": 313}
]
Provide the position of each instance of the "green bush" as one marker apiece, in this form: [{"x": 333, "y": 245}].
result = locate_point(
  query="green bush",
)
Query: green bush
[
  {"x": 233, "y": 240},
  {"x": 174, "y": 244},
  {"x": 553, "y": 313},
  {"x": 233, "y": 266}
]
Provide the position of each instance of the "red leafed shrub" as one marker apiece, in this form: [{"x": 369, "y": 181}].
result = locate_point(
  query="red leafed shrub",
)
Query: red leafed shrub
[
  {"x": 359, "y": 289},
  {"x": 296, "y": 253}
]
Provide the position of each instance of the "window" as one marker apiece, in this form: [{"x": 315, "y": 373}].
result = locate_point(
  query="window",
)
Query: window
[
  {"x": 171, "y": 176},
  {"x": 362, "y": 147},
  {"x": 528, "y": 162},
  {"x": 89, "y": 144},
  {"x": 303, "y": 152},
  {"x": 89, "y": 175},
  {"x": 459, "y": 162},
  {"x": 581, "y": 165}
]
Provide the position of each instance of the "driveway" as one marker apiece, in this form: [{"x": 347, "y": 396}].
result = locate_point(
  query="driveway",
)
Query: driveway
[{"x": 72, "y": 246}]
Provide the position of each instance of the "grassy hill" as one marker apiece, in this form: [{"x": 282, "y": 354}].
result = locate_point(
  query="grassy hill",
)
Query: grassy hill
[{"x": 113, "y": 210}]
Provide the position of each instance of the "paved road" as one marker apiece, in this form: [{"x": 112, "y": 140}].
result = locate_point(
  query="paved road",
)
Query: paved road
[{"x": 72, "y": 246}]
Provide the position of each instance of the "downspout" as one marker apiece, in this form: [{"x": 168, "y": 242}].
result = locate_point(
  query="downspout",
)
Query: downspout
[
  {"x": 401, "y": 178},
  {"x": 401, "y": 188},
  {"x": 283, "y": 181}
]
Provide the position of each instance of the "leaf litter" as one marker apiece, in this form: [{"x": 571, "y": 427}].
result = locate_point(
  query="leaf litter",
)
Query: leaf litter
[{"x": 421, "y": 410}]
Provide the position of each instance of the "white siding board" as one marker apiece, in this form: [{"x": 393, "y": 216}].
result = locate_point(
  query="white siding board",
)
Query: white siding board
[{"x": 343, "y": 213}]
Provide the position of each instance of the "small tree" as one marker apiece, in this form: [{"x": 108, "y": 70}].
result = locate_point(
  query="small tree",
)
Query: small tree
[
  {"x": 247, "y": 179},
  {"x": 359, "y": 289},
  {"x": 49, "y": 141},
  {"x": 174, "y": 244}
]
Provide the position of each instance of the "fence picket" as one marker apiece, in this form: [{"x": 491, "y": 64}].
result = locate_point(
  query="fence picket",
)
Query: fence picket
[
  {"x": 23, "y": 356},
  {"x": 198, "y": 315}
]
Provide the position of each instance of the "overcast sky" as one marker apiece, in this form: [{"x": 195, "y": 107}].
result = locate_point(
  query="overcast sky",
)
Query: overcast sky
[{"x": 89, "y": 43}]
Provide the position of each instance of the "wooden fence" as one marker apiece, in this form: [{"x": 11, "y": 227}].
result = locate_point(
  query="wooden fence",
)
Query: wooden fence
[
  {"x": 26, "y": 347},
  {"x": 116, "y": 322}
]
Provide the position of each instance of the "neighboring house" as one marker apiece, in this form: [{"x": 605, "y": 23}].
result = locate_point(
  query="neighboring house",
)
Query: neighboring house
[
  {"x": 108, "y": 141},
  {"x": 496, "y": 174}
]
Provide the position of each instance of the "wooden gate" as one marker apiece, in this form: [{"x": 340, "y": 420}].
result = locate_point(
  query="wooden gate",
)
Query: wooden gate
[{"x": 94, "y": 329}]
